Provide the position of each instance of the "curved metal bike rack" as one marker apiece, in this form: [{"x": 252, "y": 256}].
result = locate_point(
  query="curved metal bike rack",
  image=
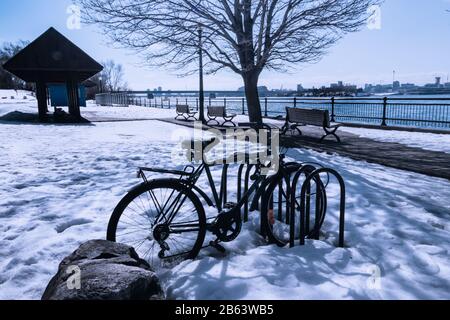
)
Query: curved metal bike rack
[
  {"x": 305, "y": 201},
  {"x": 241, "y": 191},
  {"x": 296, "y": 203},
  {"x": 293, "y": 203}
]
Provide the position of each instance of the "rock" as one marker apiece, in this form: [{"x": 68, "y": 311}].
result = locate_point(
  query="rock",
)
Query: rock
[{"x": 103, "y": 270}]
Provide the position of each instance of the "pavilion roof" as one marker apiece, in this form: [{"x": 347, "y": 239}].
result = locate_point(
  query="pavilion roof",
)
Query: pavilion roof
[{"x": 52, "y": 58}]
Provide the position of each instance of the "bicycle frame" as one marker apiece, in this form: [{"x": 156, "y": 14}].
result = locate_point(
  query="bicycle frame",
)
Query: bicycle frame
[{"x": 190, "y": 180}]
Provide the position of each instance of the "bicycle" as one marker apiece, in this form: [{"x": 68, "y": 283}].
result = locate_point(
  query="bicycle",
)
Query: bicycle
[{"x": 165, "y": 218}]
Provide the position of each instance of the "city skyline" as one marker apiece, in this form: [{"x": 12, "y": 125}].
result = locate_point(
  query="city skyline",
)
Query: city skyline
[{"x": 368, "y": 56}]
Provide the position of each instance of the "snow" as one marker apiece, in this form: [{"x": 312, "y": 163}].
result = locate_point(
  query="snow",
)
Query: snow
[
  {"x": 16, "y": 96},
  {"x": 423, "y": 140},
  {"x": 132, "y": 112},
  {"x": 60, "y": 184}
]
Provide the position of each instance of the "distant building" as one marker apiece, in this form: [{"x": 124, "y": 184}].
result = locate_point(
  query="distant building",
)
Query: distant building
[
  {"x": 339, "y": 84},
  {"x": 408, "y": 85},
  {"x": 261, "y": 89},
  {"x": 438, "y": 81},
  {"x": 159, "y": 89},
  {"x": 396, "y": 85},
  {"x": 300, "y": 88}
]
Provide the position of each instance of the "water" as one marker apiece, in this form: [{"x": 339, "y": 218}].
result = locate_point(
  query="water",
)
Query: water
[{"x": 425, "y": 111}]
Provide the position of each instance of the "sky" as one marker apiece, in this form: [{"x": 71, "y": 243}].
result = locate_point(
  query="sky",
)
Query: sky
[{"x": 413, "y": 39}]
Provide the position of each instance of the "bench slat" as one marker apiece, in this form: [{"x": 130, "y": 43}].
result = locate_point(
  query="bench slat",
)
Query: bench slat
[
  {"x": 183, "y": 108},
  {"x": 217, "y": 111},
  {"x": 309, "y": 116}
]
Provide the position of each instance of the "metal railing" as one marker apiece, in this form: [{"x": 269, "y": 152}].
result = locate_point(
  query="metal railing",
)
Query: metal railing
[
  {"x": 393, "y": 111},
  {"x": 112, "y": 99}
]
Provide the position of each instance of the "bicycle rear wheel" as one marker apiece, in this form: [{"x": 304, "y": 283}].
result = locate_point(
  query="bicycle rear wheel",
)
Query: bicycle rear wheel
[
  {"x": 277, "y": 206},
  {"x": 163, "y": 220}
]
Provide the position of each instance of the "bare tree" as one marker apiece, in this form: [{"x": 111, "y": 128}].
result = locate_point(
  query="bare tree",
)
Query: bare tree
[
  {"x": 7, "y": 51},
  {"x": 112, "y": 77},
  {"x": 245, "y": 36}
]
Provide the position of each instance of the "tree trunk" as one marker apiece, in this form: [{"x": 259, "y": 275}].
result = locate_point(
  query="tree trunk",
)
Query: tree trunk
[{"x": 252, "y": 95}]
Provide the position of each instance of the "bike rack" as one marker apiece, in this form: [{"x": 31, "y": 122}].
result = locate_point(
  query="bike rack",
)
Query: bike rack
[
  {"x": 241, "y": 191},
  {"x": 223, "y": 197},
  {"x": 321, "y": 203},
  {"x": 297, "y": 203}
]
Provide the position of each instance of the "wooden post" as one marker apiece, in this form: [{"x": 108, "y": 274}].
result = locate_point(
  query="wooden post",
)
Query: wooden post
[
  {"x": 41, "y": 95},
  {"x": 72, "y": 95}
]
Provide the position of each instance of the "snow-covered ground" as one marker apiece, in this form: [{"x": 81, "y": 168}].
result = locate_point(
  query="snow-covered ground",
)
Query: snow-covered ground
[
  {"x": 16, "y": 96},
  {"x": 60, "y": 184},
  {"x": 423, "y": 140}
]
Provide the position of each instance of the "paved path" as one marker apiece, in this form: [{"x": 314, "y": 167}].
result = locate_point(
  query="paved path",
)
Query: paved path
[{"x": 389, "y": 154}]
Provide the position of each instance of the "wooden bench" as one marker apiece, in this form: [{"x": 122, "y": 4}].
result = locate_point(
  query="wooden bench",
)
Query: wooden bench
[
  {"x": 220, "y": 112},
  {"x": 296, "y": 117},
  {"x": 185, "y": 113}
]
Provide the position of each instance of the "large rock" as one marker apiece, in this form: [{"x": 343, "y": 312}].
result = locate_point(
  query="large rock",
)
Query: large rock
[{"x": 103, "y": 270}]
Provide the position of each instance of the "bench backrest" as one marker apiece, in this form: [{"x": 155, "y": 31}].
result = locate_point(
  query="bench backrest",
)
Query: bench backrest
[
  {"x": 309, "y": 116},
  {"x": 217, "y": 111},
  {"x": 182, "y": 108}
]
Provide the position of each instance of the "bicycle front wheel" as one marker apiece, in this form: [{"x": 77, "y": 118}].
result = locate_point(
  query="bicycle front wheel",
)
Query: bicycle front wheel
[
  {"x": 162, "y": 219},
  {"x": 276, "y": 208}
]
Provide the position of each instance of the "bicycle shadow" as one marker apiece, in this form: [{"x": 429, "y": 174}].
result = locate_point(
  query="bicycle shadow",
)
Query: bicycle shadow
[{"x": 268, "y": 272}]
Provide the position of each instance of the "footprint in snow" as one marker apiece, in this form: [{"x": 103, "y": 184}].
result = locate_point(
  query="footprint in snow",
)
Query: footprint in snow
[
  {"x": 75, "y": 222},
  {"x": 425, "y": 263}
]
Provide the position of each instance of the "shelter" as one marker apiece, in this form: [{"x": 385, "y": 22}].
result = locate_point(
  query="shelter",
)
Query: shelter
[{"x": 52, "y": 58}]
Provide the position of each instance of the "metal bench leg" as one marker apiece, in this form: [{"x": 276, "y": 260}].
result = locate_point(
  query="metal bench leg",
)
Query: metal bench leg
[
  {"x": 213, "y": 119},
  {"x": 295, "y": 127},
  {"x": 285, "y": 127},
  {"x": 191, "y": 117},
  {"x": 331, "y": 133},
  {"x": 228, "y": 120}
]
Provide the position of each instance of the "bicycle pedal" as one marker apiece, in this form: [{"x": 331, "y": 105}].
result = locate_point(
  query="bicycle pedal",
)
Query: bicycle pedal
[
  {"x": 218, "y": 247},
  {"x": 229, "y": 205},
  {"x": 164, "y": 246}
]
